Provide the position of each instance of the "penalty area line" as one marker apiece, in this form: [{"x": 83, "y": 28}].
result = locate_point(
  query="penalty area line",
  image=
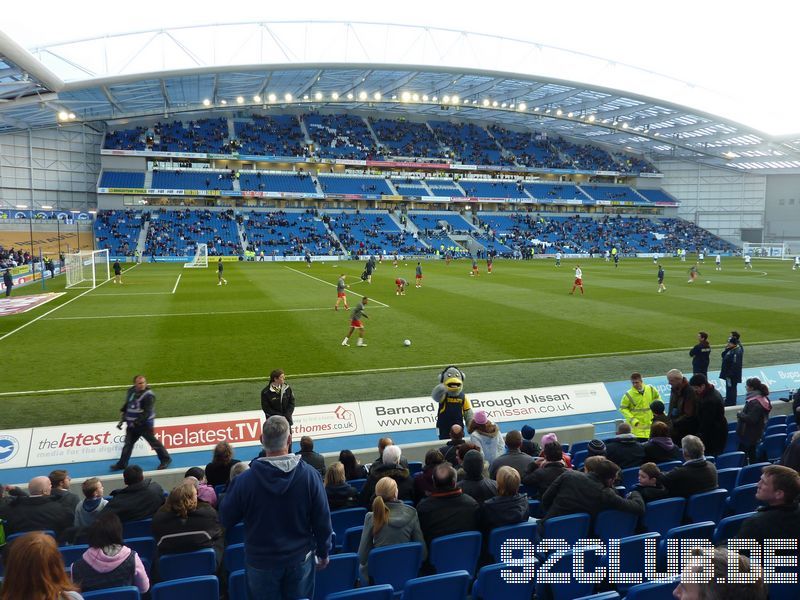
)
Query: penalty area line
[
  {"x": 333, "y": 285},
  {"x": 177, "y": 282},
  {"x": 193, "y": 314},
  {"x": 379, "y": 370}
]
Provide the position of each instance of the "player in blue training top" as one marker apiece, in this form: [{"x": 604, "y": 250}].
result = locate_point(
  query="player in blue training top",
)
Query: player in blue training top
[{"x": 220, "y": 279}]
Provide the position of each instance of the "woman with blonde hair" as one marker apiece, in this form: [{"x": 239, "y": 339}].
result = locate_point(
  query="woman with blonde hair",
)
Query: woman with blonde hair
[
  {"x": 340, "y": 495},
  {"x": 184, "y": 525},
  {"x": 509, "y": 507},
  {"x": 390, "y": 522},
  {"x": 35, "y": 571}
]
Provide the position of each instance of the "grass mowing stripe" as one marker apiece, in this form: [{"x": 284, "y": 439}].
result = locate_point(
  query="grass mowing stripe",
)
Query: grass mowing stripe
[
  {"x": 537, "y": 359},
  {"x": 194, "y": 314},
  {"x": 333, "y": 285},
  {"x": 24, "y": 325}
]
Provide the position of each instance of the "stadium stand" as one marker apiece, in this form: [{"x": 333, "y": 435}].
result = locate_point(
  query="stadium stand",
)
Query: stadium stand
[
  {"x": 406, "y": 138},
  {"x": 122, "y": 179},
  {"x": 555, "y": 191},
  {"x": 341, "y": 136},
  {"x": 296, "y": 183},
  {"x": 118, "y": 231},
  {"x": 469, "y": 144},
  {"x": 287, "y": 233},
  {"x": 177, "y": 233},
  {"x": 202, "y": 179},
  {"x": 126, "y": 139},
  {"x": 529, "y": 149},
  {"x": 615, "y": 193},
  {"x": 278, "y": 135},
  {"x": 353, "y": 184},
  {"x": 583, "y": 157},
  {"x": 371, "y": 233},
  {"x": 492, "y": 189}
]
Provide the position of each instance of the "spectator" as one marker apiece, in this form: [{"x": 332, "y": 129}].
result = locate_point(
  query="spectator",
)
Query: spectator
[
  {"x": 508, "y": 507},
  {"x": 486, "y": 434},
  {"x": 238, "y": 469},
  {"x": 695, "y": 475},
  {"x": 682, "y": 406},
  {"x": 635, "y": 406},
  {"x": 731, "y": 369},
  {"x": 340, "y": 493},
  {"x": 312, "y": 458},
  {"x": 529, "y": 447},
  {"x": 448, "y": 509},
  {"x": 475, "y": 483},
  {"x": 93, "y": 502},
  {"x": 791, "y": 456},
  {"x": 752, "y": 419},
  {"x": 660, "y": 447},
  {"x": 779, "y": 517},
  {"x": 717, "y": 588},
  {"x": 461, "y": 453},
  {"x": 60, "y": 480},
  {"x": 552, "y": 437},
  {"x": 541, "y": 474},
  {"x": 456, "y": 439},
  {"x": 625, "y": 450},
  {"x": 701, "y": 354},
  {"x": 218, "y": 471},
  {"x": 184, "y": 525},
  {"x": 391, "y": 467},
  {"x": 595, "y": 448},
  {"x": 108, "y": 563},
  {"x": 205, "y": 493},
  {"x": 280, "y": 552},
  {"x": 277, "y": 398},
  {"x": 139, "y": 499},
  {"x": 589, "y": 492},
  {"x": 390, "y": 522},
  {"x": 712, "y": 424},
  {"x": 423, "y": 482},
  {"x": 34, "y": 570},
  {"x": 514, "y": 457},
  {"x": 649, "y": 485},
  {"x": 352, "y": 468},
  {"x": 382, "y": 444},
  {"x": 657, "y": 408},
  {"x": 36, "y": 511}
]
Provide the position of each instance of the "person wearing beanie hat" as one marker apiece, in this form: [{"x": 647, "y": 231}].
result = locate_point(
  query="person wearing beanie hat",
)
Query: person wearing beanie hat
[
  {"x": 596, "y": 448},
  {"x": 487, "y": 435},
  {"x": 548, "y": 438},
  {"x": 528, "y": 445},
  {"x": 711, "y": 415},
  {"x": 474, "y": 483},
  {"x": 635, "y": 406}
]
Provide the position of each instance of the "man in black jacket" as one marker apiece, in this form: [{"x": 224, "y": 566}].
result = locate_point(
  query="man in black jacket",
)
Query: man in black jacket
[
  {"x": 625, "y": 450},
  {"x": 139, "y": 499},
  {"x": 37, "y": 511},
  {"x": 731, "y": 369},
  {"x": 307, "y": 454},
  {"x": 682, "y": 406},
  {"x": 391, "y": 466},
  {"x": 277, "y": 398},
  {"x": 712, "y": 424},
  {"x": 60, "y": 480},
  {"x": 779, "y": 490},
  {"x": 448, "y": 509},
  {"x": 695, "y": 475},
  {"x": 701, "y": 354},
  {"x": 139, "y": 414}
]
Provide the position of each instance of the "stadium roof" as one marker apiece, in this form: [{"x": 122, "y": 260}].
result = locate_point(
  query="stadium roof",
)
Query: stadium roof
[{"x": 429, "y": 72}]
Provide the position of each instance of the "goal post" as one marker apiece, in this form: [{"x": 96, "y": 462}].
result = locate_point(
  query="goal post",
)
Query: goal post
[
  {"x": 200, "y": 260},
  {"x": 777, "y": 251},
  {"x": 87, "y": 268}
]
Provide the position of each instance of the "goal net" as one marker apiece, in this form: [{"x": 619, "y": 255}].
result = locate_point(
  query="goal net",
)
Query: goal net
[
  {"x": 765, "y": 250},
  {"x": 200, "y": 260},
  {"x": 87, "y": 268}
]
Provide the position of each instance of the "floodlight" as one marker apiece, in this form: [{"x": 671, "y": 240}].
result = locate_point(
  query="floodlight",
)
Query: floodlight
[
  {"x": 425, "y": 97},
  {"x": 455, "y": 99},
  {"x": 318, "y": 96},
  {"x": 503, "y": 105},
  {"x": 239, "y": 100},
  {"x": 625, "y": 125},
  {"x": 287, "y": 97},
  {"x": 415, "y": 97},
  {"x": 350, "y": 95},
  {"x": 446, "y": 99},
  {"x": 223, "y": 102},
  {"x": 206, "y": 102},
  {"x": 405, "y": 96},
  {"x": 335, "y": 95},
  {"x": 486, "y": 102},
  {"x": 522, "y": 106},
  {"x": 256, "y": 98},
  {"x": 494, "y": 104},
  {"x": 63, "y": 115},
  {"x": 570, "y": 114},
  {"x": 272, "y": 97},
  {"x": 591, "y": 118},
  {"x": 559, "y": 112},
  {"x": 362, "y": 95},
  {"x": 376, "y": 95}
]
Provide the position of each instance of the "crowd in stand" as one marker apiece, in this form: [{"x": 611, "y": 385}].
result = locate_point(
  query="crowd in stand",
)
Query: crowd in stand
[
  {"x": 269, "y": 136},
  {"x": 117, "y": 225},
  {"x": 12, "y": 257},
  {"x": 175, "y": 231},
  {"x": 274, "y": 232}
]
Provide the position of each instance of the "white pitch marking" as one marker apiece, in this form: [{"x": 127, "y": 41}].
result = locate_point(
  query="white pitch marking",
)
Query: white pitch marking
[
  {"x": 177, "y": 282},
  {"x": 333, "y": 285},
  {"x": 24, "y": 325},
  {"x": 192, "y": 314}
]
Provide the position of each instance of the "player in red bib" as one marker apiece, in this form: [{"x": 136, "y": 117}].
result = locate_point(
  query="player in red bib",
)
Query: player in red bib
[
  {"x": 489, "y": 263},
  {"x": 401, "y": 286},
  {"x": 355, "y": 323},
  {"x": 578, "y": 280}
]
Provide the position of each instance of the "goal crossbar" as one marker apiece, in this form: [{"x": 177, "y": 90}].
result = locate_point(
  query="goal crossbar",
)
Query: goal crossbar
[{"x": 87, "y": 268}]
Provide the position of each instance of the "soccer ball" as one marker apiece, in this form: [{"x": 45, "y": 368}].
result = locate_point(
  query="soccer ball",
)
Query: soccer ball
[
  {"x": 707, "y": 281},
  {"x": 406, "y": 342}
]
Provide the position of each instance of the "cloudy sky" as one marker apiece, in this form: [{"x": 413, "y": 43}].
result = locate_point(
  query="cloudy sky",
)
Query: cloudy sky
[{"x": 745, "y": 51}]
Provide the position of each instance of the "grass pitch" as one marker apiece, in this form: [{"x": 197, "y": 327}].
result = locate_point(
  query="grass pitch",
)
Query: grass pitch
[{"x": 208, "y": 348}]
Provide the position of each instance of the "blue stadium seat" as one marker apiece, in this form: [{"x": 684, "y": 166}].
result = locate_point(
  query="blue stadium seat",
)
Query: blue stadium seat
[
  {"x": 372, "y": 592},
  {"x": 772, "y": 447},
  {"x": 414, "y": 467},
  {"x": 490, "y": 584},
  {"x": 233, "y": 557},
  {"x": 773, "y": 429},
  {"x": 522, "y": 531},
  {"x": 568, "y": 527},
  {"x": 341, "y": 574},
  {"x": 235, "y": 535},
  {"x": 742, "y": 499},
  {"x": 632, "y": 556},
  {"x": 655, "y": 590},
  {"x": 615, "y": 524},
  {"x": 395, "y": 564},
  {"x": 703, "y": 530},
  {"x": 352, "y": 539},
  {"x": 731, "y": 460},
  {"x": 456, "y": 552},
  {"x": 202, "y": 587},
  {"x": 563, "y": 563},
  {"x": 578, "y": 446},
  {"x": 535, "y": 509},
  {"x": 136, "y": 529},
  {"x": 726, "y": 478},
  {"x": 776, "y": 420},
  {"x": 357, "y": 483},
  {"x": 72, "y": 553},
  {"x": 666, "y": 467},
  {"x": 442, "y": 586},
  {"x": 663, "y": 515},
  {"x": 344, "y": 519},
  {"x": 187, "y": 564},
  {"x": 729, "y": 527},
  {"x": 128, "y": 592},
  {"x": 708, "y": 506},
  {"x": 578, "y": 458},
  {"x": 237, "y": 585},
  {"x": 630, "y": 477},
  {"x": 145, "y": 547},
  {"x": 732, "y": 444},
  {"x": 750, "y": 474}
]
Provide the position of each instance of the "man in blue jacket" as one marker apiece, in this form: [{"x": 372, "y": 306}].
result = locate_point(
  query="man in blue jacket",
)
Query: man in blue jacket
[
  {"x": 731, "y": 370},
  {"x": 286, "y": 517}
]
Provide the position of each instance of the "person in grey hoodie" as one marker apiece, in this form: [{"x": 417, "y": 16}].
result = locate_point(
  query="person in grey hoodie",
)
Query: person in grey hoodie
[
  {"x": 93, "y": 502},
  {"x": 108, "y": 563},
  {"x": 390, "y": 522}
]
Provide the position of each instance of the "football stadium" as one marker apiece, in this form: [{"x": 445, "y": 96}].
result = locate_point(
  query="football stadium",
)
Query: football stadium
[{"x": 509, "y": 300}]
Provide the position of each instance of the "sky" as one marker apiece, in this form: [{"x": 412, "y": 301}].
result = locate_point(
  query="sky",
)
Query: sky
[{"x": 741, "y": 50}]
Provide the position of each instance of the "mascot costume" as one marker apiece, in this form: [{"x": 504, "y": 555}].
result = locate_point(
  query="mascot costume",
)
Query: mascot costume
[{"x": 454, "y": 407}]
